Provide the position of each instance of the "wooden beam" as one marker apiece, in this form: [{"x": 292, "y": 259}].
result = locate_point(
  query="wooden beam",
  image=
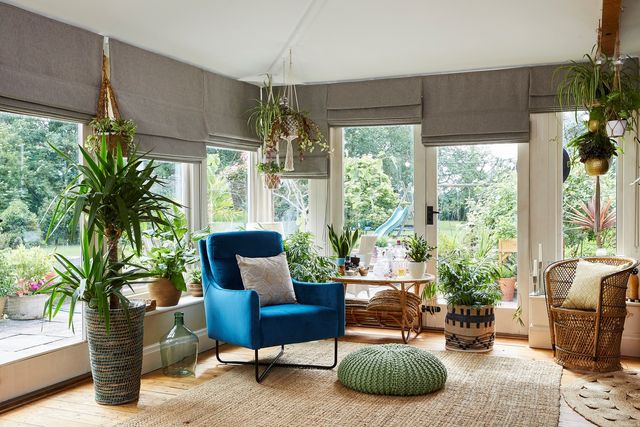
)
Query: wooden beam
[{"x": 610, "y": 26}]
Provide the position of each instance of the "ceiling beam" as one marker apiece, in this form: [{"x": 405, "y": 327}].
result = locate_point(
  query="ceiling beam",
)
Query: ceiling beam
[{"x": 610, "y": 26}]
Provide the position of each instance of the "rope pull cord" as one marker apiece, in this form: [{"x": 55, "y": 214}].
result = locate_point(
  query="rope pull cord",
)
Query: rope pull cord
[{"x": 107, "y": 102}]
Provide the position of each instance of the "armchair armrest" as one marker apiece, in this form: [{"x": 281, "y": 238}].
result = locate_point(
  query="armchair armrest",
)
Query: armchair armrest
[
  {"x": 233, "y": 316},
  {"x": 329, "y": 295}
]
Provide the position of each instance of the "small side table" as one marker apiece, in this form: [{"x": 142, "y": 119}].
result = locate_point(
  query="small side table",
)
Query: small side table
[{"x": 403, "y": 284}]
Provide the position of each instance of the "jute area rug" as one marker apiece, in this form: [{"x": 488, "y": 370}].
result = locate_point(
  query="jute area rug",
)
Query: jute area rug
[
  {"x": 481, "y": 390},
  {"x": 611, "y": 399}
]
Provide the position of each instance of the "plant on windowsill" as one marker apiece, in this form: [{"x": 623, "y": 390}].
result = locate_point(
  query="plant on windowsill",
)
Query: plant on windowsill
[
  {"x": 342, "y": 244},
  {"x": 305, "y": 263},
  {"x": 167, "y": 257},
  {"x": 116, "y": 197},
  {"x": 30, "y": 269},
  {"x": 507, "y": 280},
  {"x": 469, "y": 285},
  {"x": 418, "y": 253},
  {"x": 114, "y": 131},
  {"x": 194, "y": 286}
]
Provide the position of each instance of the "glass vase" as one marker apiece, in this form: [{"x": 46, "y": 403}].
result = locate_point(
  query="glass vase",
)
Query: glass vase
[{"x": 179, "y": 350}]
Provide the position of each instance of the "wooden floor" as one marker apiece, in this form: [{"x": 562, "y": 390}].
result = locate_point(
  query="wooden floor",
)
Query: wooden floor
[{"x": 74, "y": 406}]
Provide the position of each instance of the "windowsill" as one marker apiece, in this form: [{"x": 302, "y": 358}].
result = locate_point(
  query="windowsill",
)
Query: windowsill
[{"x": 185, "y": 301}]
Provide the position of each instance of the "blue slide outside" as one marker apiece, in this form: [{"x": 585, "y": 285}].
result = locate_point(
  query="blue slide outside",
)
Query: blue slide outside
[{"x": 396, "y": 219}]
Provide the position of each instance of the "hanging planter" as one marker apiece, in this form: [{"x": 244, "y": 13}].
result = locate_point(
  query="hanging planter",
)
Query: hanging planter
[
  {"x": 271, "y": 181},
  {"x": 616, "y": 128},
  {"x": 271, "y": 171},
  {"x": 597, "y": 166},
  {"x": 595, "y": 150}
]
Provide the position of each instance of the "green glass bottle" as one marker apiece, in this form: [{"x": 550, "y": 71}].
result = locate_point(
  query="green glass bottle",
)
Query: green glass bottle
[{"x": 179, "y": 350}]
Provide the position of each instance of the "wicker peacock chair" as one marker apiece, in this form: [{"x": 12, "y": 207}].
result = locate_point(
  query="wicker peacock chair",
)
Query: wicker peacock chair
[{"x": 588, "y": 340}]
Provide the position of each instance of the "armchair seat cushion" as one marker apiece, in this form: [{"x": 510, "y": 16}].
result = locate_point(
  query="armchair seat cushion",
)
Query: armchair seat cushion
[{"x": 293, "y": 323}]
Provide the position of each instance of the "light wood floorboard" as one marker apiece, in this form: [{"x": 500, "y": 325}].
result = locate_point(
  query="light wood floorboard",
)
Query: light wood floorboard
[{"x": 74, "y": 406}]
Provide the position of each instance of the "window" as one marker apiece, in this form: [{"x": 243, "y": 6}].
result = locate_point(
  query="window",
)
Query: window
[
  {"x": 477, "y": 201},
  {"x": 32, "y": 174},
  {"x": 378, "y": 179},
  {"x": 291, "y": 205},
  {"x": 580, "y": 237},
  {"x": 227, "y": 188}
]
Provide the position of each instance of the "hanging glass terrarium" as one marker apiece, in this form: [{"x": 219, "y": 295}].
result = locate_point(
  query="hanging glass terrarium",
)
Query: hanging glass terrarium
[{"x": 179, "y": 350}]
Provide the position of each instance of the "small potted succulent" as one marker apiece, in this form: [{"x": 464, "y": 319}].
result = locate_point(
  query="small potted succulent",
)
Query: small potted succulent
[
  {"x": 418, "y": 253},
  {"x": 114, "y": 131},
  {"x": 342, "y": 244},
  {"x": 32, "y": 269},
  {"x": 195, "y": 282}
]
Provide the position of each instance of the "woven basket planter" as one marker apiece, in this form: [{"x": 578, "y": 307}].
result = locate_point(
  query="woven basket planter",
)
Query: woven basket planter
[
  {"x": 470, "y": 329},
  {"x": 116, "y": 359}
]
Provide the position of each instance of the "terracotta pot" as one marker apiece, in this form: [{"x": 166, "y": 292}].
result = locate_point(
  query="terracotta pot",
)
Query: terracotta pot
[
  {"x": 508, "y": 287},
  {"x": 195, "y": 289},
  {"x": 632, "y": 287},
  {"x": 597, "y": 167},
  {"x": 271, "y": 181},
  {"x": 27, "y": 307},
  {"x": 164, "y": 292}
]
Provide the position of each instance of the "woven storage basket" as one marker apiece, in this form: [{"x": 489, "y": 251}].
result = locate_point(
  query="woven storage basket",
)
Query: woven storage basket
[
  {"x": 470, "y": 328},
  {"x": 392, "y": 300},
  {"x": 116, "y": 359},
  {"x": 588, "y": 340}
]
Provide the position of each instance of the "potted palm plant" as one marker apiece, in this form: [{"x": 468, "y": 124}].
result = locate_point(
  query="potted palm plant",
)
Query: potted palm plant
[
  {"x": 418, "y": 253},
  {"x": 469, "y": 285},
  {"x": 342, "y": 244},
  {"x": 117, "y": 198}
]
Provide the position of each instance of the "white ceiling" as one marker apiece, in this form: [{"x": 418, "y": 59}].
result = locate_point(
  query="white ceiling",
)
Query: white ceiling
[{"x": 337, "y": 40}]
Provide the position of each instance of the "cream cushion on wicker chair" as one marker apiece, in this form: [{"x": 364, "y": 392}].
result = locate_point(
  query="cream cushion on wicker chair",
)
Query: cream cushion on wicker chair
[
  {"x": 269, "y": 277},
  {"x": 585, "y": 289}
]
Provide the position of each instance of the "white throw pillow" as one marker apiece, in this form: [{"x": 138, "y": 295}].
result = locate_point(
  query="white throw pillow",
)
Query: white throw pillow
[
  {"x": 585, "y": 289},
  {"x": 269, "y": 277}
]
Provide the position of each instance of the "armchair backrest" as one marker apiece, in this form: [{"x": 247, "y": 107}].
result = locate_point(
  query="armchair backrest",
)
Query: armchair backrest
[{"x": 218, "y": 253}]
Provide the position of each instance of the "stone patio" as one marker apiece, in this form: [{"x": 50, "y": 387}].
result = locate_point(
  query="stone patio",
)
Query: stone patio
[{"x": 25, "y": 338}]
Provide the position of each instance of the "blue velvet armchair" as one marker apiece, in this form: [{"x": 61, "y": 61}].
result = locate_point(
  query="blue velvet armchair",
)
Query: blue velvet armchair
[{"x": 234, "y": 315}]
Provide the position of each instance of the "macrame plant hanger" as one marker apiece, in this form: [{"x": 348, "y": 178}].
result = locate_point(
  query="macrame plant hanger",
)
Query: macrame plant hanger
[
  {"x": 292, "y": 97},
  {"x": 108, "y": 108}
]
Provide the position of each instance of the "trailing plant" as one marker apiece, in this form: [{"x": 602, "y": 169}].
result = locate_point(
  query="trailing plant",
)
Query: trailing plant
[
  {"x": 31, "y": 267},
  {"x": 594, "y": 145},
  {"x": 170, "y": 251},
  {"x": 117, "y": 197},
  {"x": 305, "y": 263},
  {"x": 470, "y": 280},
  {"x": 418, "y": 250},
  {"x": 270, "y": 167},
  {"x": 94, "y": 281},
  {"x": 102, "y": 127},
  {"x": 344, "y": 242}
]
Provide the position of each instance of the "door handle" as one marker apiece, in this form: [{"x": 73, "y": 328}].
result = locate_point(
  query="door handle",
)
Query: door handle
[{"x": 430, "y": 214}]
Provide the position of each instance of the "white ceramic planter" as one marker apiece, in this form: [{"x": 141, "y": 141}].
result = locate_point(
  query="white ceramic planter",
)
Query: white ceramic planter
[
  {"x": 616, "y": 128},
  {"x": 26, "y": 307},
  {"x": 417, "y": 269}
]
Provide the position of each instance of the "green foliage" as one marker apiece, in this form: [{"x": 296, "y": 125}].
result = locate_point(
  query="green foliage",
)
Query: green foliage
[
  {"x": 506, "y": 271},
  {"x": 19, "y": 225},
  {"x": 418, "y": 250},
  {"x": 126, "y": 129},
  {"x": 94, "y": 281},
  {"x": 496, "y": 207},
  {"x": 6, "y": 276},
  {"x": 226, "y": 186},
  {"x": 29, "y": 264},
  {"x": 594, "y": 145},
  {"x": 369, "y": 198},
  {"x": 382, "y": 241},
  {"x": 170, "y": 252},
  {"x": 195, "y": 276},
  {"x": 271, "y": 167},
  {"x": 468, "y": 279},
  {"x": 305, "y": 263},
  {"x": 344, "y": 242}
]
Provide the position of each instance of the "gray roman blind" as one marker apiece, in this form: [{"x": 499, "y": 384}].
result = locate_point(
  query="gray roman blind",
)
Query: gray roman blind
[
  {"x": 163, "y": 96},
  {"x": 543, "y": 88},
  {"x": 227, "y": 108},
  {"x": 47, "y": 67},
  {"x": 476, "y": 107},
  {"x": 315, "y": 165},
  {"x": 375, "y": 102}
]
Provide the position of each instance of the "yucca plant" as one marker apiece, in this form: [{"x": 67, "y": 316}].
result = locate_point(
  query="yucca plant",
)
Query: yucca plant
[
  {"x": 344, "y": 242},
  {"x": 116, "y": 196}
]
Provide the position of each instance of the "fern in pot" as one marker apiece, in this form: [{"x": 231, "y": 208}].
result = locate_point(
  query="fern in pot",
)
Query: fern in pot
[
  {"x": 418, "y": 253},
  {"x": 469, "y": 285}
]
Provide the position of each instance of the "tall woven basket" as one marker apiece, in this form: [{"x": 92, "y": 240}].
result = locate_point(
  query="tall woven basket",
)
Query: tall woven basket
[
  {"x": 116, "y": 359},
  {"x": 470, "y": 329}
]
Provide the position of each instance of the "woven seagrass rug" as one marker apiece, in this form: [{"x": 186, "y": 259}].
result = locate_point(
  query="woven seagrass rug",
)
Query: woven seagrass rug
[
  {"x": 611, "y": 399},
  {"x": 481, "y": 390}
]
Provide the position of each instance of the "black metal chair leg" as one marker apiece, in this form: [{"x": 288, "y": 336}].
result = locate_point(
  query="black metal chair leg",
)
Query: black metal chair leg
[{"x": 256, "y": 362}]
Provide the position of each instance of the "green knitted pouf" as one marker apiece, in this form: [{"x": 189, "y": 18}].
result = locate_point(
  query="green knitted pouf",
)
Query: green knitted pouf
[{"x": 393, "y": 369}]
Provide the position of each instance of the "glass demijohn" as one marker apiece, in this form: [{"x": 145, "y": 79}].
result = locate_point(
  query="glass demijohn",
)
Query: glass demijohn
[{"x": 179, "y": 350}]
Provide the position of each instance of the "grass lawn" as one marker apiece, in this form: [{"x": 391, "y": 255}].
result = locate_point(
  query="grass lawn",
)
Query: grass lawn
[
  {"x": 451, "y": 229},
  {"x": 67, "y": 251}
]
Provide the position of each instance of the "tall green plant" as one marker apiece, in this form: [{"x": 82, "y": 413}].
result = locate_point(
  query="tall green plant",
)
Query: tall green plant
[
  {"x": 469, "y": 280},
  {"x": 344, "y": 242},
  {"x": 305, "y": 263},
  {"x": 418, "y": 250},
  {"x": 116, "y": 196}
]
